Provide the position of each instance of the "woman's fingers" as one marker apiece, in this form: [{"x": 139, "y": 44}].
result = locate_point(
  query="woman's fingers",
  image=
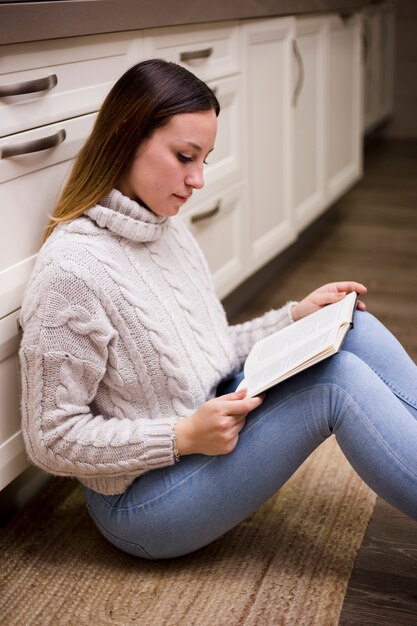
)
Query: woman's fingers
[
  {"x": 328, "y": 297},
  {"x": 349, "y": 285},
  {"x": 238, "y": 403}
]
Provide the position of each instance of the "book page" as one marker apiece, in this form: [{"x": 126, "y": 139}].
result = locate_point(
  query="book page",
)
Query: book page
[
  {"x": 274, "y": 369},
  {"x": 299, "y": 342}
]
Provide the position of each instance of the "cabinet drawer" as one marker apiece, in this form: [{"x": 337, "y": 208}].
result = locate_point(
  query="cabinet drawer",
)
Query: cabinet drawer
[
  {"x": 225, "y": 162},
  {"x": 217, "y": 226},
  {"x": 13, "y": 458},
  {"x": 83, "y": 68},
  {"x": 29, "y": 188},
  {"x": 208, "y": 51}
]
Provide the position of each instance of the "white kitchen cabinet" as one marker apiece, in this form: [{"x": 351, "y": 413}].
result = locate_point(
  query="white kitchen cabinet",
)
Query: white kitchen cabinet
[
  {"x": 47, "y": 81},
  {"x": 217, "y": 226},
  {"x": 378, "y": 58},
  {"x": 225, "y": 163},
  {"x": 371, "y": 36},
  {"x": 208, "y": 50},
  {"x": 268, "y": 147},
  {"x": 50, "y": 92},
  {"x": 386, "y": 61},
  {"x": 215, "y": 214},
  {"x": 308, "y": 108},
  {"x": 29, "y": 187},
  {"x": 13, "y": 459},
  {"x": 344, "y": 105},
  {"x": 288, "y": 144}
]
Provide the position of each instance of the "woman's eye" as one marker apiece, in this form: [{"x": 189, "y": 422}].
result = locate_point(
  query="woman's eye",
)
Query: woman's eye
[{"x": 183, "y": 158}]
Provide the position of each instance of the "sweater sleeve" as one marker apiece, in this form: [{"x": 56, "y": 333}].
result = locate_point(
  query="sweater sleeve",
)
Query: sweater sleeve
[
  {"x": 246, "y": 334},
  {"x": 66, "y": 351}
]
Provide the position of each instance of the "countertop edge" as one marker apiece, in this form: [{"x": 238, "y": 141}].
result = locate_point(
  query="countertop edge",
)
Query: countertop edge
[{"x": 36, "y": 21}]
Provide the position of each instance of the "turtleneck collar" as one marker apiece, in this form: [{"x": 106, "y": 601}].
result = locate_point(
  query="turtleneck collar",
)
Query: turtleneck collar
[{"x": 125, "y": 217}]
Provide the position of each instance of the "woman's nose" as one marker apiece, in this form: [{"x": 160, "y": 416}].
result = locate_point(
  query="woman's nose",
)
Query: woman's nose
[{"x": 195, "y": 178}]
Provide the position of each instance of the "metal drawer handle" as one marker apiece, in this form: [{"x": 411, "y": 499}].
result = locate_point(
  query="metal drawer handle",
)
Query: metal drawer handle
[
  {"x": 205, "y": 215},
  {"x": 300, "y": 79},
  {"x": 35, "y": 145},
  {"x": 29, "y": 86},
  {"x": 196, "y": 54}
]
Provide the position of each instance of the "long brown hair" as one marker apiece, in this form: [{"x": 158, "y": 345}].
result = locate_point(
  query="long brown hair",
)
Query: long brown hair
[{"x": 142, "y": 100}]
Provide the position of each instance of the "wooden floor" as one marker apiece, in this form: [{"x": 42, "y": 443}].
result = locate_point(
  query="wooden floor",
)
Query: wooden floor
[{"x": 370, "y": 236}]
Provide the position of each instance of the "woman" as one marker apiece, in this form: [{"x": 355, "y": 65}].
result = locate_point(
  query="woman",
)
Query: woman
[{"x": 129, "y": 366}]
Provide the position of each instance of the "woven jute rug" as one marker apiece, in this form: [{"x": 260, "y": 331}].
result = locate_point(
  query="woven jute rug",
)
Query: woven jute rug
[{"x": 287, "y": 565}]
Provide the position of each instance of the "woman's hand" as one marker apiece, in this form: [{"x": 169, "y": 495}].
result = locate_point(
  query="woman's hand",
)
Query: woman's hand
[
  {"x": 327, "y": 294},
  {"x": 214, "y": 428}
]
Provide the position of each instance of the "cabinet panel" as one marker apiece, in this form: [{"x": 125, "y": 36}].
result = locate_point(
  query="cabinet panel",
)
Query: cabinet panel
[
  {"x": 378, "y": 33},
  {"x": 308, "y": 117},
  {"x": 344, "y": 98},
  {"x": 13, "y": 459},
  {"x": 386, "y": 62},
  {"x": 85, "y": 69},
  {"x": 217, "y": 226},
  {"x": 268, "y": 81},
  {"x": 29, "y": 189},
  {"x": 225, "y": 162},
  {"x": 209, "y": 51},
  {"x": 371, "y": 34}
]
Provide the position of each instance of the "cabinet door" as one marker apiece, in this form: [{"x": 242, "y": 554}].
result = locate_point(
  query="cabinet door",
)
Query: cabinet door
[
  {"x": 13, "y": 459},
  {"x": 344, "y": 105},
  {"x": 308, "y": 118},
  {"x": 371, "y": 37},
  {"x": 225, "y": 162},
  {"x": 217, "y": 226},
  {"x": 268, "y": 93},
  {"x": 29, "y": 186},
  {"x": 378, "y": 33},
  {"x": 386, "y": 62}
]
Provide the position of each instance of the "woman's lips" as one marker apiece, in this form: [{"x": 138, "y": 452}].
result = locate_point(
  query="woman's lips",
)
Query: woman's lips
[{"x": 181, "y": 198}]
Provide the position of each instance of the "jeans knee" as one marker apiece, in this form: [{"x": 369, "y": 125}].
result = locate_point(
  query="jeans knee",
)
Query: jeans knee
[
  {"x": 347, "y": 373},
  {"x": 344, "y": 365},
  {"x": 366, "y": 326}
]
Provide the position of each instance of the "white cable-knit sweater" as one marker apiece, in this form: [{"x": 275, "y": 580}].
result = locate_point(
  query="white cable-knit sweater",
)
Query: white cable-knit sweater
[{"x": 123, "y": 335}]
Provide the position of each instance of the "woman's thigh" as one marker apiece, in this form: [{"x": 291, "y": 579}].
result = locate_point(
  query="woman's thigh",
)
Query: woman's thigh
[{"x": 177, "y": 509}]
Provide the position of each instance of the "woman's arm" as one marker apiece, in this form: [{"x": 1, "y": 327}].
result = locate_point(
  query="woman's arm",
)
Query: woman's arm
[
  {"x": 246, "y": 334},
  {"x": 67, "y": 351}
]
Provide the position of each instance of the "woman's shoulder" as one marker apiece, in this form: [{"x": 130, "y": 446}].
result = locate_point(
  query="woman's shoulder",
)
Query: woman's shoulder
[
  {"x": 73, "y": 241},
  {"x": 80, "y": 229},
  {"x": 65, "y": 265}
]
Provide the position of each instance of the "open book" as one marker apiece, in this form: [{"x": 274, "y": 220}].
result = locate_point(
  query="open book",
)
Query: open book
[{"x": 298, "y": 346}]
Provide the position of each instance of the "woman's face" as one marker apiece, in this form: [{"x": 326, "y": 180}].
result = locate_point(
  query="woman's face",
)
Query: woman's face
[{"x": 168, "y": 166}]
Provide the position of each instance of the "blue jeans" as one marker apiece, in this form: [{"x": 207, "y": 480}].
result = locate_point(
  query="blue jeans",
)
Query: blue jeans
[{"x": 366, "y": 395}]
